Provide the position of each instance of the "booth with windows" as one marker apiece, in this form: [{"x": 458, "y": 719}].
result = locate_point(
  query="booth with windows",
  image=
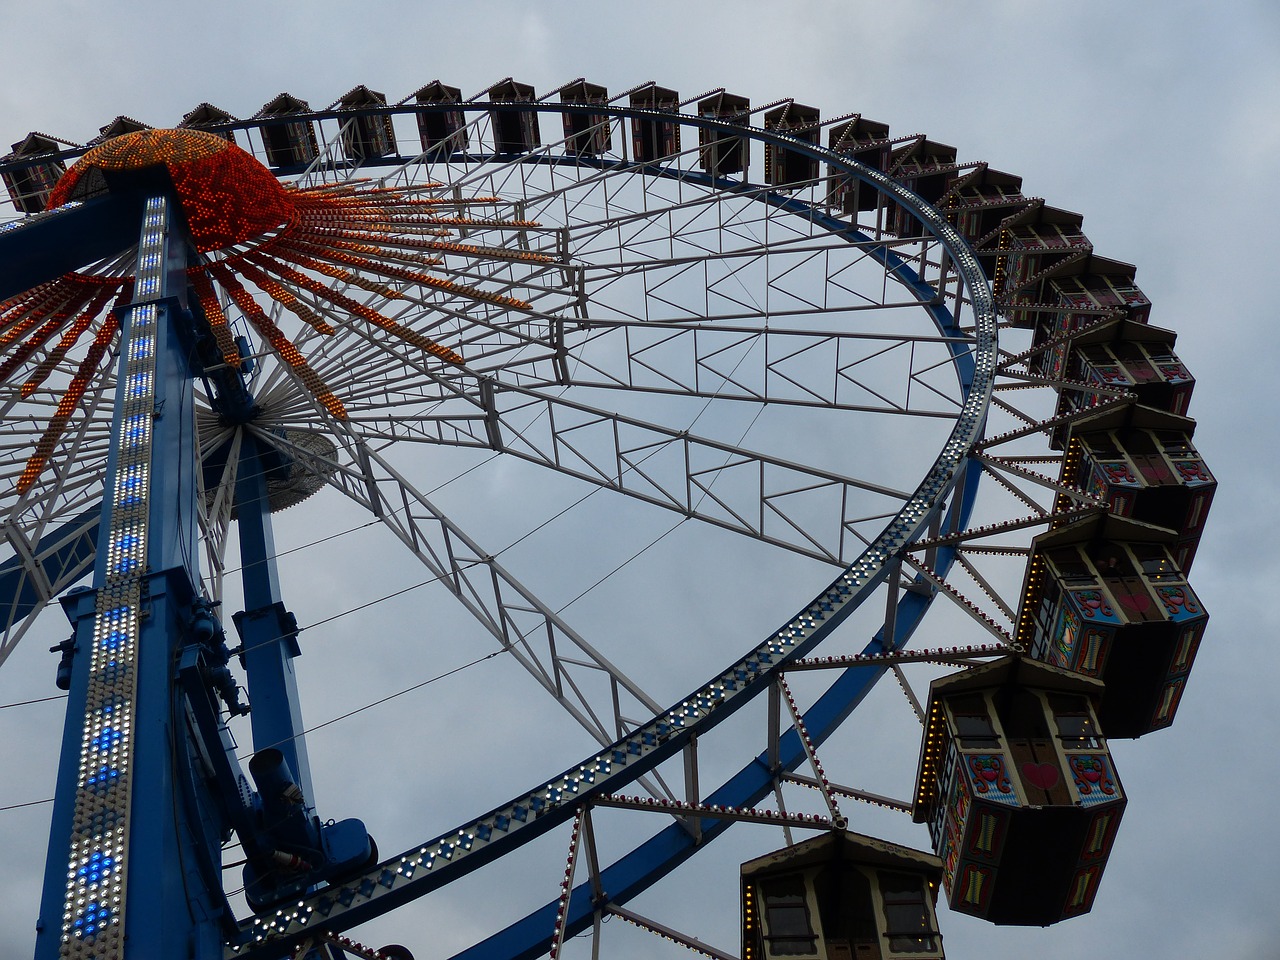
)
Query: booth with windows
[
  {"x": 1019, "y": 791},
  {"x": 1103, "y": 597},
  {"x": 841, "y": 896}
]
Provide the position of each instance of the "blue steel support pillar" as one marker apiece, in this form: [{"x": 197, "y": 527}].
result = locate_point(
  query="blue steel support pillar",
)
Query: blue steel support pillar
[
  {"x": 268, "y": 632},
  {"x": 132, "y": 870}
]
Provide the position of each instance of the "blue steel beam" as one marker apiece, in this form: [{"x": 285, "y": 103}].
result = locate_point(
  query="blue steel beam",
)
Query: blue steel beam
[
  {"x": 50, "y": 244},
  {"x": 654, "y": 859},
  {"x": 268, "y": 632}
]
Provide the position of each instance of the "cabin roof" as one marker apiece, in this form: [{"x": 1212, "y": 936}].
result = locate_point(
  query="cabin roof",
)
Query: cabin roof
[
  {"x": 846, "y": 846},
  {"x": 1134, "y": 416}
]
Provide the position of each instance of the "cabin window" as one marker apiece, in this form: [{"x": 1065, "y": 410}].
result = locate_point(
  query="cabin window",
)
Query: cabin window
[
  {"x": 1112, "y": 562},
  {"x": 1076, "y": 727},
  {"x": 906, "y": 913},
  {"x": 786, "y": 916},
  {"x": 1140, "y": 442},
  {"x": 1104, "y": 447},
  {"x": 1071, "y": 566},
  {"x": 1155, "y": 562},
  {"x": 1097, "y": 355},
  {"x": 1176, "y": 444},
  {"x": 973, "y": 723}
]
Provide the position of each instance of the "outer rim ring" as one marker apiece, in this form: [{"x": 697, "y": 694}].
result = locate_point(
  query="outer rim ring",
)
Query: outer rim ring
[{"x": 802, "y": 632}]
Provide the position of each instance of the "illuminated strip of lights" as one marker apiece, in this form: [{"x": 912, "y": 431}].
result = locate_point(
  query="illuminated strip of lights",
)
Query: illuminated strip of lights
[
  {"x": 97, "y": 868},
  {"x": 68, "y": 339},
  {"x": 280, "y": 343},
  {"x": 281, "y": 295},
  {"x": 215, "y": 317},
  {"x": 404, "y": 333},
  {"x": 67, "y": 405}
]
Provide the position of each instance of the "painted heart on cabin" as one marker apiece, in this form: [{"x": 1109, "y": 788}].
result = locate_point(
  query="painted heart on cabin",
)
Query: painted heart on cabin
[
  {"x": 1136, "y": 602},
  {"x": 1042, "y": 775}
]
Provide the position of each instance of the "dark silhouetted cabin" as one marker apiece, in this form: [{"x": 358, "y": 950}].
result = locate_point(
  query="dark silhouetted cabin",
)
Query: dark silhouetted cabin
[
  {"x": 721, "y": 153},
  {"x": 783, "y": 166},
  {"x": 514, "y": 130},
  {"x": 1031, "y": 243},
  {"x": 925, "y": 168},
  {"x": 441, "y": 126},
  {"x": 288, "y": 143},
  {"x": 118, "y": 128},
  {"x": 1071, "y": 294},
  {"x": 586, "y": 134},
  {"x": 867, "y": 142},
  {"x": 652, "y": 140},
  {"x": 1103, "y": 597},
  {"x": 979, "y": 200},
  {"x": 366, "y": 136},
  {"x": 1019, "y": 791},
  {"x": 841, "y": 896},
  {"x": 1141, "y": 461},
  {"x": 207, "y": 117},
  {"x": 1125, "y": 355},
  {"x": 29, "y": 186}
]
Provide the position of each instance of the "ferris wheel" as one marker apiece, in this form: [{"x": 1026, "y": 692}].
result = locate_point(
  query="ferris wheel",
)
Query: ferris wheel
[{"x": 725, "y": 381}]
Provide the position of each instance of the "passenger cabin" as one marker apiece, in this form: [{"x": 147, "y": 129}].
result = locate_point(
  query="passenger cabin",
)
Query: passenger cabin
[
  {"x": 652, "y": 140},
  {"x": 841, "y": 896},
  {"x": 118, "y": 128},
  {"x": 924, "y": 167},
  {"x": 1019, "y": 791},
  {"x": 288, "y": 143},
  {"x": 1135, "y": 357},
  {"x": 207, "y": 117},
  {"x": 866, "y": 142},
  {"x": 980, "y": 200},
  {"x": 1080, "y": 291},
  {"x": 29, "y": 187},
  {"x": 1141, "y": 461},
  {"x": 1031, "y": 243},
  {"x": 514, "y": 130},
  {"x": 783, "y": 166},
  {"x": 440, "y": 126},
  {"x": 720, "y": 153},
  {"x": 1104, "y": 597},
  {"x": 586, "y": 134},
  {"x": 365, "y": 136}
]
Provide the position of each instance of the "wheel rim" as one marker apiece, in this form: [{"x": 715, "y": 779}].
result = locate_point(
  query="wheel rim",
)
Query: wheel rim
[{"x": 921, "y": 504}]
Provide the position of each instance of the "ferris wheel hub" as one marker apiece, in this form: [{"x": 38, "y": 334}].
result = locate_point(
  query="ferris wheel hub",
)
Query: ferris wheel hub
[{"x": 228, "y": 197}]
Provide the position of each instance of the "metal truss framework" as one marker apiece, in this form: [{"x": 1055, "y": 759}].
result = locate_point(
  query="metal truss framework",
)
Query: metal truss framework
[{"x": 654, "y": 282}]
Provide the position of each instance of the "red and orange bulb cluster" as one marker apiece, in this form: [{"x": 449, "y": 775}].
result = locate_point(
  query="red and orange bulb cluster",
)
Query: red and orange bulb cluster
[{"x": 276, "y": 238}]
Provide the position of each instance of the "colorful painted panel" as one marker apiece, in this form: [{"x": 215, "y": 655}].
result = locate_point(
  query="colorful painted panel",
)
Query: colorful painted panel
[
  {"x": 1116, "y": 473},
  {"x": 1066, "y": 631},
  {"x": 986, "y": 834},
  {"x": 1193, "y": 472},
  {"x": 1093, "y": 652},
  {"x": 1092, "y": 604},
  {"x": 1102, "y": 831},
  {"x": 1080, "y": 895},
  {"x": 1185, "y": 652},
  {"x": 974, "y": 889},
  {"x": 1094, "y": 779},
  {"x": 989, "y": 778},
  {"x": 1168, "y": 704},
  {"x": 1179, "y": 602}
]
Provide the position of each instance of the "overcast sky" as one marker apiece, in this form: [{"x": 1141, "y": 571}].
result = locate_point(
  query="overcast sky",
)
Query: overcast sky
[{"x": 1156, "y": 121}]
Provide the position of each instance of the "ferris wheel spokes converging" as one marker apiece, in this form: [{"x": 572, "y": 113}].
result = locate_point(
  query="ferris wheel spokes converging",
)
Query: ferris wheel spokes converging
[{"x": 609, "y": 314}]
